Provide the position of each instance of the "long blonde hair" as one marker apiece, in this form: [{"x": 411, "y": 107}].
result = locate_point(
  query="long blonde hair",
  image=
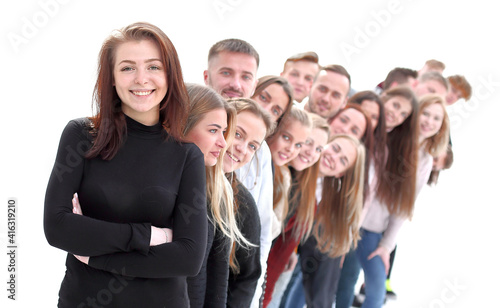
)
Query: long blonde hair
[
  {"x": 303, "y": 199},
  {"x": 436, "y": 144},
  {"x": 220, "y": 196},
  {"x": 246, "y": 105},
  {"x": 280, "y": 188},
  {"x": 339, "y": 212}
]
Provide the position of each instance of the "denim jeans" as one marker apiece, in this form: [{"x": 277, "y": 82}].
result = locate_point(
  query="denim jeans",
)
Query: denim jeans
[
  {"x": 374, "y": 273},
  {"x": 348, "y": 279},
  {"x": 294, "y": 296}
]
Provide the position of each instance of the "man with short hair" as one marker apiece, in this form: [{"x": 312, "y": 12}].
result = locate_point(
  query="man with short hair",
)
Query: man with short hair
[
  {"x": 459, "y": 88},
  {"x": 432, "y": 66},
  {"x": 300, "y": 71},
  {"x": 431, "y": 83},
  {"x": 329, "y": 92},
  {"x": 232, "y": 68},
  {"x": 399, "y": 76}
]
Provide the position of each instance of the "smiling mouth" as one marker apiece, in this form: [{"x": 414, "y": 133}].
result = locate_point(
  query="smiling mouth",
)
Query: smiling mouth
[
  {"x": 283, "y": 156},
  {"x": 328, "y": 163},
  {"x": 233, "y": 158},
  {"x": 142, "y": 93},
  {"x": 303, "y": 159}
]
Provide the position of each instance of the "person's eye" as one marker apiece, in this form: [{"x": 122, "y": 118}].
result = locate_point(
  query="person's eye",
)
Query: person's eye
[
  {"x": 298, "y": 145},
  {"x": 404, "y": 115},
  {"x": 336, "y": 95},
  {"x": 286, "y": 137},
  {"x": 247, "y": 77},
  {"x": 154, "y": 67},
  {"x": 225, "y": 73},
  {"x": 309, "y": 79},
  {"x": 396, "y": 106},
  {"x": 253, "y": 147},
  {"x": 238, "y": 135},
  {"x": 319, "y": 149},
  {"x": 263, "y": 98},
  {"x": 126, "y": 69},
  {"x": 343, "y": 120},
  {"x": 355, "y": 131},
  {"x": 276, "y": 112},
  {"x": 335, "y": 148},
  {"x": 343, "y": 161},
  {"x": 213, "y": 130}
]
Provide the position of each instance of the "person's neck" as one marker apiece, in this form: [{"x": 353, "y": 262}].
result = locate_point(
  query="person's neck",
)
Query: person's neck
[{"x": 147, "y": 119}]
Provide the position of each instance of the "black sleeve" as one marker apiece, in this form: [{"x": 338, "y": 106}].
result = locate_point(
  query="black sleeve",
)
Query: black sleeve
[
  {"x": 242, "y": 286},
  {"x": 62, "y": 227},
  {"x": 218, "y": 272},
  {"x": 197, "y": 285},
  {"x": 184, "y": 255}
]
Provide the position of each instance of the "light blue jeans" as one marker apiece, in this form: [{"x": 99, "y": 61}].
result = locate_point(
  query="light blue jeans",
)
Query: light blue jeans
[
  {"x": 294, "y": 296},
  {"x": 374, "y": 272}
]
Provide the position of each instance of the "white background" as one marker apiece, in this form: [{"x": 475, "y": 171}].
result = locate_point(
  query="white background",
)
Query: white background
[{"x": 446, "y": 256}]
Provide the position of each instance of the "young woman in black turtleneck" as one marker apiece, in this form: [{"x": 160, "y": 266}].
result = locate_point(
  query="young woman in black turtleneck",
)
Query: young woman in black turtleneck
[{"x": 133, "y": 180}]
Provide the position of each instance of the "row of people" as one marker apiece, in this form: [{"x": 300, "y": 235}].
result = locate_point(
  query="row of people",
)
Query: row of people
[{"x": 198, "y": 195}]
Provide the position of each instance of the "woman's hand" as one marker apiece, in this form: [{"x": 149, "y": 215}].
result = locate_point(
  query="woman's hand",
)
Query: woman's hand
[
  {"x": 84, "y": 260},
  {"x": 384, "y": 255},
  {"x": 160, "y": 236},
  {"x": 77, "y": 209}
]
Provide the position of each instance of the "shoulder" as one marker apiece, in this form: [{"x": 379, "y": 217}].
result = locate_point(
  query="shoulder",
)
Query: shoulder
[
  {"x": 188, "y": 150},
  {"x": 79, "y": 128},
  {"x": 246, "y": 203}
]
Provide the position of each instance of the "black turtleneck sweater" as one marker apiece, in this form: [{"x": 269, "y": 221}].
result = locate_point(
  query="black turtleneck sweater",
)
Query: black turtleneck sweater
[{"x": 152, "y": 180}]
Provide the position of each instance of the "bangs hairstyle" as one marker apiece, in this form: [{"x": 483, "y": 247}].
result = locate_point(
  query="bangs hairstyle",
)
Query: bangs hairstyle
[
  {"x": 396, "y": 188},
  {"x": 220, "y": 197},
  {"x": 266, "y": 81},
  {"x": 436, "y": 144},
  {"x": 339, "y": 212},
  {"x": 303, "y": 199},
  {"x": 108, "y": 123}
]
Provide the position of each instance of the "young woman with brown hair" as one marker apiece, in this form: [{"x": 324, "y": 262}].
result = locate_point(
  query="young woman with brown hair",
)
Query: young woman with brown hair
[
  {"x": 390, "y": 205},
  {"x": 133, "y": 180}
]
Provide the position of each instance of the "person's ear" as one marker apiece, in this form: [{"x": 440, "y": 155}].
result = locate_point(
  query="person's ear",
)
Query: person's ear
[{"x": 205, "y": 77}]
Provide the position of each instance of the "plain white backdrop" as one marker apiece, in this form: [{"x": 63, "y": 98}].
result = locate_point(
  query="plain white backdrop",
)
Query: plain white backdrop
[{"x": 49, "y": 48}]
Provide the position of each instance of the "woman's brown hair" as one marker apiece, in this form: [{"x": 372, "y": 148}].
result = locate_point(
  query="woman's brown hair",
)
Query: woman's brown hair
[
  {"x": 396, "y": 187},
  {"x": 109, "y": 125}
]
